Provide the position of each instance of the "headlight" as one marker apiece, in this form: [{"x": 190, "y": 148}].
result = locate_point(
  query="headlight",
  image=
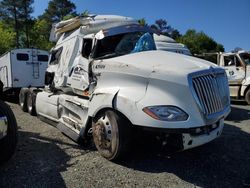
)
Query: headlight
[{"x": 166, "y": 113}]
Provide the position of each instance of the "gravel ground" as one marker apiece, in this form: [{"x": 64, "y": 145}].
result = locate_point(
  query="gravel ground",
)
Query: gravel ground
[{"x": 47, "y": 158}]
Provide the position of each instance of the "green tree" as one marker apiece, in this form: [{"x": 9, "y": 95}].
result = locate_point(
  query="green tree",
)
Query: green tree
[
  {"x": 9, "y": 13},
  {"x": 57, "y": 9},
  {"x": 7, "y": 38},
  {"x": 85, "y": 13},
  {"x": 199, "y": 42},
  {"x": 162, "y": 26},
  {"x": 38, "y": 36},
  {"x": 17, "y": 14},
  {"x": 25, "y": 18},
  {"x": 142, "y": 22}
]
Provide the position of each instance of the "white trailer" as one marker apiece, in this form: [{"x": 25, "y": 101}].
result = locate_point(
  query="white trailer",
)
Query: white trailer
[{"x": 23, "y": 68}]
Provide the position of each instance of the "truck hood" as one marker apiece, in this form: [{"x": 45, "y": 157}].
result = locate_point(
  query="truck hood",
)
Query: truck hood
[
  {"x": 169, "y": 61},
  {"x": 157, "y": 64}
]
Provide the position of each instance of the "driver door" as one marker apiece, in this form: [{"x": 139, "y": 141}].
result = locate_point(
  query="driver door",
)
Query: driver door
[
  {"x": 79, "y": 75},
  {"x": 235, "y": 72}
]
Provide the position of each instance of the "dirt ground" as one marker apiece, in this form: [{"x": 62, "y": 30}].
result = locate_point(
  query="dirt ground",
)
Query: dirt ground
[{"x": 47, "y": 158}]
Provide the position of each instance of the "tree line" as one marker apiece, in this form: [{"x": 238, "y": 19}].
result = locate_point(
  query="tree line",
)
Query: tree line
[{"x": 18, "y": 29}]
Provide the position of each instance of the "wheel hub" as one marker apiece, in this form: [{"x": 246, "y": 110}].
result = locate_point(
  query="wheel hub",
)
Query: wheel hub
[{"x": 102, "y": 133}]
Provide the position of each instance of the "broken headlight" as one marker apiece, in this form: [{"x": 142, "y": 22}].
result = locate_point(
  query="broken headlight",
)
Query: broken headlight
[{"x": 166, "y": 113}]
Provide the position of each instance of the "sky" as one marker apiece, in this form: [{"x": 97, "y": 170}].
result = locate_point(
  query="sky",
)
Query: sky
[{"x": 226, "y": 21}]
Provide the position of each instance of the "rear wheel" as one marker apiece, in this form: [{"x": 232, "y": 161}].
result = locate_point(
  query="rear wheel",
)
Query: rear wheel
[
  {"x": 111, "y": 135},
  {"x": 247, "y": 96},
  {"x": 31, "y": 103},
  {"x": 8, "y": 132},
  {"x": 23, "y": 99}
]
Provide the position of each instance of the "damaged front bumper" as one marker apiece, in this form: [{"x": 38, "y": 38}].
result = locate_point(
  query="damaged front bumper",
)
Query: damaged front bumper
[
  {"x": 187, "y": 138},
  {"x": 208, "y": 133}
]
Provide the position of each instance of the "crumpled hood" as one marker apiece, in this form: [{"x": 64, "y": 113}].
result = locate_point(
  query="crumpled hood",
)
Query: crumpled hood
[
  {"x": 160, "y": 65},
  {"x": 160, "y": 59}
]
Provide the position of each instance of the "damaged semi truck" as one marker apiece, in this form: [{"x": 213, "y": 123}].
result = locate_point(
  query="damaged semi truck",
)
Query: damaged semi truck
[{"x": 105, "y": 78}]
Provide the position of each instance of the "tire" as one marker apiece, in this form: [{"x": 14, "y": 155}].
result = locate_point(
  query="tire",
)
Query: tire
[
  {"x": 23, "y": 99},
  {"x": 31, "y": 103},
  {"x": 247, "y": 96},
  {"x": 111, "y": 135},
  {"x": 8, "y": 141},
  {"x": 1, "y": 89}
]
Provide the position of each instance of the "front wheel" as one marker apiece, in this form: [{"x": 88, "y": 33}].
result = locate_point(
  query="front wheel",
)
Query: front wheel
[
  {"x": 247, "y": 96},
  {"x": 8, "y": 132},
  {"x": 111, "y": 134}
]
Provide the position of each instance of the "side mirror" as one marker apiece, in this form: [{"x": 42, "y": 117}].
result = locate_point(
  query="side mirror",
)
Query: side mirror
[{"x": 100, "y": 35}]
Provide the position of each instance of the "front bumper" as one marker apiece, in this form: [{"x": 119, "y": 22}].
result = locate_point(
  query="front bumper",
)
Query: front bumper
[
  {"x": 191, "y": 140},
  {"x": 183, "y": 139}
]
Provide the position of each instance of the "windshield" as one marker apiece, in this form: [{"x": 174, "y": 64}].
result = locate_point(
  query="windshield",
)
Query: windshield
[
  {"x": 246, "y": 58},
  {"x": 122, "y": 44}
]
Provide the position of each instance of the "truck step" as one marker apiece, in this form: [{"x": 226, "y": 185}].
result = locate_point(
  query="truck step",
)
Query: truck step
[{"x": 69, "y": 132}]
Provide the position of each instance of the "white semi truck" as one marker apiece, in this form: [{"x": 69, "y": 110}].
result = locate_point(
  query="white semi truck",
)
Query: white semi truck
[
  {"x": 237, "y": 67},
  {"x": 22, "y": 68},
  {"x": 105, "y": 78}
]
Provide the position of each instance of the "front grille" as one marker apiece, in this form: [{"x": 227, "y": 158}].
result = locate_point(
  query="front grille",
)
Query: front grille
[{"x": 212, "y": 91}]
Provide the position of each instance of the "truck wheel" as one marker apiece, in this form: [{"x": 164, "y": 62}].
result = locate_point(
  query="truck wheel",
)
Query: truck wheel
[
  {"x": 23, "y": 99},
  {"x": 111, "y": 135},
  {"x": 1, "y": 89},
  {"x": 8, "y": 132},
  {"x": 31, "y": 103},
  {"x": 247, "y": 96}
]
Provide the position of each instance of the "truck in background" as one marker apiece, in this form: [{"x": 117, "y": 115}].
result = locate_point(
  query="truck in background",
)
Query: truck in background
[
  {"x": 168, "y": 44},
  {"x": 237, "y": 67},
  {"x": 105, "y": 79},
  {"x": 22, "y": 68}
]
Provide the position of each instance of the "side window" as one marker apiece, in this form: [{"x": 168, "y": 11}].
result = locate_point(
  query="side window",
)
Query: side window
[
  {"x": 22, "y": 57},
  {"x": 86, "y": 48},
  {"x": 229, "y": 61},
  {"x": 42, "y": 58},
  {"x": 55, "y": 56}
]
